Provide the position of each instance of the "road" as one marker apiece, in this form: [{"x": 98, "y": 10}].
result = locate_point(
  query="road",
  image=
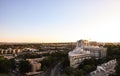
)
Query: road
[
  {"x": 56, "y": 70},
  {"x": 48, "y": 72},
  {"x": 50, "y": 69}
]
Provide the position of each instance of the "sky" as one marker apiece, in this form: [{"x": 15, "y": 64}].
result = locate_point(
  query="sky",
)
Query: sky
[{"x": 59, "y": 20}]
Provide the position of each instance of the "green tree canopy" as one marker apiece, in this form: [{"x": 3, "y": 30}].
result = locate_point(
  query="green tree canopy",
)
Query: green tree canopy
[{"x": 24, "y": 67}]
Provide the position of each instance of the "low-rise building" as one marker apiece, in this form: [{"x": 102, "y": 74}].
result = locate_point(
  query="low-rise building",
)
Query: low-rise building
[
  {"x": 105, "y": 69},
  {"x": 10, "y": 51},
  {"x": 36, "y": 65}
]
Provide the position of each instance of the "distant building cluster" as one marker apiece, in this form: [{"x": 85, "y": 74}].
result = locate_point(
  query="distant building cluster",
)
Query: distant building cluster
[
  {"x": 85, "y": 50},
  {"x": 105, "y": 69},
  {"x": 9, "y": 51},
  {"x": 18, "y": 51}
]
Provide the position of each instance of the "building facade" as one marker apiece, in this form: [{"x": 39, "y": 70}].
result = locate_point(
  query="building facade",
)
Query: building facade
[
  {"x": 77, "y": 56},
  {"x": 85, "y": 50},
  {"x": 36, "y": 65}
]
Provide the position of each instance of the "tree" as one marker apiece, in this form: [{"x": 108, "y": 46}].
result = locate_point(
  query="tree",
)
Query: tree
[
  {"x": 12, "y": 63},
  {"x": 69, "y": 71},
  {"x": 24, "y": 67},
  {"x": 78, "y": 72},
  {"x": 5, "y": 65},
  {"x": 89, "y": 68},
  {"x": 117, "y": 68},
  {"x": 89, "y": 61}
]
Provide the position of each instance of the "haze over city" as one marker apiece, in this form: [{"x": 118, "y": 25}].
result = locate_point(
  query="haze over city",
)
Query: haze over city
[{"x": 59, "y": 20}]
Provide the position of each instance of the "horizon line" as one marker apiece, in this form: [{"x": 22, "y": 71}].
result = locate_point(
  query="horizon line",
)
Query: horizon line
[{"x": 61, "y": 42}]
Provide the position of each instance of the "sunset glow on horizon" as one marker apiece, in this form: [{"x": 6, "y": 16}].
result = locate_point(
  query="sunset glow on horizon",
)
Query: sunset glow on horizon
[{"x": 59, "y": 20}]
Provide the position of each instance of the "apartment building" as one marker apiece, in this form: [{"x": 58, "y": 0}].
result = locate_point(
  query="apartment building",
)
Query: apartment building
[{"x": 85, "y": 50}]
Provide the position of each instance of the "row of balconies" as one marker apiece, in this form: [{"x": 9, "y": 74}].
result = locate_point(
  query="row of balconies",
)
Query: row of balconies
[
  {"x": 105, "y": 69},
  {"x": 77, "y": 61}
]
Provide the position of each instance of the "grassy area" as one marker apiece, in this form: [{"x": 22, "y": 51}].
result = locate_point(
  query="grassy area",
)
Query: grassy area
[{"x": 4, "y": 74}]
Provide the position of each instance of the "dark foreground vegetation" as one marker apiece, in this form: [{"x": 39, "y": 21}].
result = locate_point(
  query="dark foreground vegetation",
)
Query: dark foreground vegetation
[
  {"x": 52, "y": 59},
  {"x": 113, "y": 52}
]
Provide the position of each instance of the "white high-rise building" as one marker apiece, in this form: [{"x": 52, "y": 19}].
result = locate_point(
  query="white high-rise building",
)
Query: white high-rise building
[{"x": 85, "y": 50}]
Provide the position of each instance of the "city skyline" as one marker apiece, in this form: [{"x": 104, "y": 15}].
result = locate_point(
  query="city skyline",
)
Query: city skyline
[{"x": 59, "y": 21}]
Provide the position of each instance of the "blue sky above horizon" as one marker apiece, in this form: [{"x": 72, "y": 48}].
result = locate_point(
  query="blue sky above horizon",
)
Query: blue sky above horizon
[{"x": 59, "y": 20}]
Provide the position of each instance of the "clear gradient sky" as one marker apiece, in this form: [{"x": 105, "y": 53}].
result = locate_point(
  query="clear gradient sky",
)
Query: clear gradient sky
[{"x": 59, "y": 20}]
